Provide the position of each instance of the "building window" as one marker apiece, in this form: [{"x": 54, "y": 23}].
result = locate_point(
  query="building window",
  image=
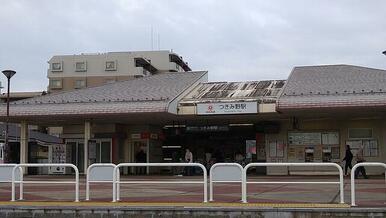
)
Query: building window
[
  {"x": 80, "y": 66},
  {"x": 360, "y": 133},
  {"x": 55, "y": 84},
  {"x": 80, "y": 84},
  {"x": 111, "y": 65},
  {"x": 56, "y": 67}
]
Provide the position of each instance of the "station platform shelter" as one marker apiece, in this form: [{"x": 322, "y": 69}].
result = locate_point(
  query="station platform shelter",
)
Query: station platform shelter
[{"x": 310, "y": 117}]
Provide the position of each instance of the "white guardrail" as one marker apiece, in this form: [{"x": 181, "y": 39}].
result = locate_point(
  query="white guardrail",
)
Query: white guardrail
[
  {"x": 372, "y": 164},
  {"x": 219, "y": 173},
  {"x": 244, "y": 184},
  {"x": 224, "y": 173},
  {"x": 76, "y": 182},
  {"x": 99, "y": 173},
  {"x": 117, "y": 182},
  {"x": 6, "y": 175}
]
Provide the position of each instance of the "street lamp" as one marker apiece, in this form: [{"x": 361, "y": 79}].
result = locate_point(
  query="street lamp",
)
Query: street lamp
[
  {"x": 8, "y": 74},
  {"x": 384, "y": 52}
]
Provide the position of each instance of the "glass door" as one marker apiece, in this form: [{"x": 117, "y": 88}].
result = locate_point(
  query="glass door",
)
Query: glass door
[
  {"x": 76, "y": 149},
  {"x": 77, "y": 154},
  {"x": 80, "y": 156},
  {"x": 104, "y": 152},
  {"x": 101, "y": 151}
]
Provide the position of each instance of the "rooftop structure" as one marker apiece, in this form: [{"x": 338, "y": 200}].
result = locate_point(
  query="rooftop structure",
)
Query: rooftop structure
[
  {"x": 204, "y": 98},
  {"x": 333, "y": 86},
  {"x": 67, "y": 72},
  {"x": 263, "y": 91}
]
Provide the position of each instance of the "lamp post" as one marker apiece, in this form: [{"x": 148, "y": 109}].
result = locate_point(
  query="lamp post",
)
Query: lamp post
[
  {"x": 384, "y": 52},
  {"x": 8, "y": 74}
]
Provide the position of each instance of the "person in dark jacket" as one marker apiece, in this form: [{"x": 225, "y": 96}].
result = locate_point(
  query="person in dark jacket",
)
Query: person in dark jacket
[
  {"x": 140, "y": 157},
  {"x": 348, "y": 158}
]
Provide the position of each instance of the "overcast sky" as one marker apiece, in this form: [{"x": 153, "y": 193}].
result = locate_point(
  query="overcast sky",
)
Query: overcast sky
[{"x": 233, "y": 40}]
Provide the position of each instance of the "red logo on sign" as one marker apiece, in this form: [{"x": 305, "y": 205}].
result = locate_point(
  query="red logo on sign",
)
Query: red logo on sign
[{"x": 210, "y": 107}]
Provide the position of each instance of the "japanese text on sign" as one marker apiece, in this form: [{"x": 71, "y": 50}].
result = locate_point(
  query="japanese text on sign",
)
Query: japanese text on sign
[{"x": 227, "y": 108}]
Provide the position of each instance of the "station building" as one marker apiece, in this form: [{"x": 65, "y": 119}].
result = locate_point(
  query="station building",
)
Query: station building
[{"x": 309, "y": 117}]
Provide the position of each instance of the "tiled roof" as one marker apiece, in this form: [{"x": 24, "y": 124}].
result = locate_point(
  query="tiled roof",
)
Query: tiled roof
[
  {"x": 148, "y": 94},
  {"x": 262, "y": 91},
  {"x": 21, "y": 94},
  {"x": 333, "y": 86},
  {"x": 88, "y": 108}
]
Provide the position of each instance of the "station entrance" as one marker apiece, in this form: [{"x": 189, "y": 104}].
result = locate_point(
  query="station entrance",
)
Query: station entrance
[{"x": 215, "y": 144}]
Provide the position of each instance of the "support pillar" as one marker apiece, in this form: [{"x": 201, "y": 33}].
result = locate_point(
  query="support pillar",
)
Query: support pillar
[
  {"x": 87, "y": 136},
  {"x": 23, "y": 142}
]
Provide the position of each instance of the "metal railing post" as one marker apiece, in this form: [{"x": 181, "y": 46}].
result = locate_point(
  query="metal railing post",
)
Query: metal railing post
[
  {"x": 353, "y": 184},
  {"x": 20, "y": 166},
  {"x": 13, "y": 185},
  {"x": 244, "y": 186},
  {"x": 205, "y": 184},
  {"x": 212, "y": 180},
  {"x": 89, "y": 178},
  {"x": 210, "y": 186},
  {"x": 353, "y": 176},
  {"x": 116, "y": 178},
  {"x": 118, "y": 185},
  {"x": 115, "y": 183},
  {"x": 76, "y": 183},
  {"x": 88, "y": 184},
  {"x": 21, "y": 186},
  {"x": 341, "y": 184}
]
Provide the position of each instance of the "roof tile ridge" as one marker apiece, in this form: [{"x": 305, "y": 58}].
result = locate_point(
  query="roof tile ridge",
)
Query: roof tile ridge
[
  {"x": 338, "y": 65},
  {"x": 202, "y": 73},
  {"x": 322, "y": 65}
]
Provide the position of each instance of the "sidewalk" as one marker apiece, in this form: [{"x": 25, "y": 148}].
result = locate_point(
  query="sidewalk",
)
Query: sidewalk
[{"x": 369, "y": 193}]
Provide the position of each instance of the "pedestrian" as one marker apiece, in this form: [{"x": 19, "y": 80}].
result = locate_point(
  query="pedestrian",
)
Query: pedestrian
[
  {"x": 239, "y": 158},
  {"x": 175, "y": 158},
  {"x": 360, "y": 159},
  {"x": 140, "y": 157},
  {"x": 188, "y": 159},
  {"x": 348, "y": 160},
  {"x": 208, "y": 157}
]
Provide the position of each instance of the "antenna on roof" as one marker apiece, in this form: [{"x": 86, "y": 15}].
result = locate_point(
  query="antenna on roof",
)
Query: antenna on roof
[
  {"x": 159, "y": 42},
  {"x": 151, "y": 36}
]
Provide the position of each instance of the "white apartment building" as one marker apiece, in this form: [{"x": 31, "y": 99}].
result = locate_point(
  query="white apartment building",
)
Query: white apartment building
[{"x": 67, "y": 72}]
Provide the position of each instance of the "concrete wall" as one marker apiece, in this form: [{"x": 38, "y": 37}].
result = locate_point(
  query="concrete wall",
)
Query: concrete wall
[
  {"x": 69, "y": 83},
  {"x": 183, "y": 212}
]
